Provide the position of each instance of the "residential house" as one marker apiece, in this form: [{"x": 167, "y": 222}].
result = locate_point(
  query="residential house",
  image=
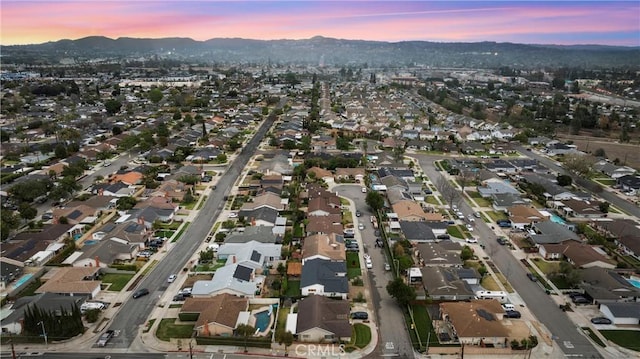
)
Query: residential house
[
  {"x": 612, "y": 170},
  {"x": 325, "y": 278},
  {"x": 418, "y": 231},
  {"x": 442, "y": 254},
  {"x": 217, "y": 315},
  {"x": 264, "y": 216},
  {"x": 580, "y": 209},
  {"x": 321, "y": 173},
  {"x": 501, "y": 202},
  {"x": 477, "y": 322},
  {"x": 496, "y": 186},
  {"x": 625, "y": 231},
  {"x": 580, "y": 255},
  {"x": 321, "y": 206},
  {"x": 323, "y": 246},
  {"x": 266, "y": 199},
  {"x": 555, "y": 148},
  {"x": 80, "y": 214},
  {"x": 236, "y": 279},
  {"x": 522, "y": 216},
  {"x": 552, "y": 190},
  {"x": 356, "y": 174},
  {"x": 261, "y": 234},
  {"x": 324, "y": 224},
  {"x": 252, "y": 254},
  {"x": 47, "y": 302},
  {"x": 629, "y": 182},
  {"x": 118, "y": 189},
  {"x": 606, "y": 286},
  {"x": 321, "y": 320},
  {"x": 443, "y": 283},
  {"x": 549, "y": 232},
  {"x": 71, "y": 281},
  {"x": 408, "y": 210},
  {"x": 500, "y": 166},
  {"x": 101, "y": 254},
  {"x": 622, "y": 313}
]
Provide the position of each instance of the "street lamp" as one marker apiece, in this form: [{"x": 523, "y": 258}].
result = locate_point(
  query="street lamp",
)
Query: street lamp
[{"x": 44, "y": 334}]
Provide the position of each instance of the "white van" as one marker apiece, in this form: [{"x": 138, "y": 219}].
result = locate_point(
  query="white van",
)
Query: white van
[{"x": 508, "y": 306}]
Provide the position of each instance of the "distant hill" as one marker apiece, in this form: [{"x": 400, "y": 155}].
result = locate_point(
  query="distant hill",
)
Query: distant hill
[{"x": 337, "y": 52}]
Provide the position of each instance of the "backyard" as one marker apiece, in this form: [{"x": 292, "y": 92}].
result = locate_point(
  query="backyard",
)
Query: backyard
[
  {"x": 293, "y": 289},
  {"x": 353, "y": 265}
]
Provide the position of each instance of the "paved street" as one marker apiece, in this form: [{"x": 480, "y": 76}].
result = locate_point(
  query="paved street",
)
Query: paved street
[
  {"x": 394, "y": 339},
  {"x": 561, "y": 328},
  {"x": 134, "y": 312}
]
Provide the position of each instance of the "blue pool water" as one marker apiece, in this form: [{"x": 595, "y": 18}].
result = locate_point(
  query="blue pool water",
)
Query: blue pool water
[
  {"x": 77, "y": 236},
  {"x": 262, "y": 320},
  {"x": 22, "y": 280},
  {"x": 634, "y": 282},
  {"x": 557, "y": 219},
  {"x": 90, "y": 242}
]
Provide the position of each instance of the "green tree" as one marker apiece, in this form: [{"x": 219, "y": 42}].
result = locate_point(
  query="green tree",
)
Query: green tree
[
  {"x": 222, "y": 158},
  {"x": 374, "y": 200},
  {"x": 27, "y": 211},
  {"x": 245, "y": 331},
  {"x": 126, "y": 203},
  {"x": 8, "y": 222},
  {"x": 604, "y": 207},
  {"x": 564, "y": 180},
  {"x": 403, "y": 293},
  {"x": 285, "y": 338},
  {"x": 466, "y": 253},
  {"x": 112, "y": 106},
  {"x": 61, "y": 151},
  {"x": 155, "y": 95}
]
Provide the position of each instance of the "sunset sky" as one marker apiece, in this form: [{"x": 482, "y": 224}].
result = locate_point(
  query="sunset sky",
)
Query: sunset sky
[{"x": 532, "y": 22}]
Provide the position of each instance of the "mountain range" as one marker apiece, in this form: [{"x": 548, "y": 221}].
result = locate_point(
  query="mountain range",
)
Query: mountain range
[{"x": 330, "y": 51}]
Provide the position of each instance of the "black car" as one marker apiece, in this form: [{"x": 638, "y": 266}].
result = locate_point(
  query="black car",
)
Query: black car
[
  {"x": 600, "y": 320},
  {"x": 360, "y": 315},
  {"x": 513, "y": 314},
  {"x": 501, "y": 240},
  {"x": 532, "y": 277},
  {"x": 358, "y": 213},
  {"x": 179, "y": 298},
  {"x": 140, "y": 293},
  {"x": 580, "y": 300}
]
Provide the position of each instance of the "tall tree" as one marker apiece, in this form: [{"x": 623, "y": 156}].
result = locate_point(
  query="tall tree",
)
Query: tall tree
[{"x": 245, "y": 331}]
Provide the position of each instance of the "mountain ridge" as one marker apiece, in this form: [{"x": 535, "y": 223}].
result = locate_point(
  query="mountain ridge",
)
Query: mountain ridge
[{"x": 335, "y": 51}]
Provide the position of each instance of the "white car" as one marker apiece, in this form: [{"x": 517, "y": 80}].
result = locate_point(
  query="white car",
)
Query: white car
[
  {"x": 366, "y": 257},
  {"x": 360, "y": 226},
  {"x": 172, "y": 278},
  {"x": 233, "y": 215},
  {"x": 369, "y": 264},
  {"x": 471, "y": 240},
  {"x": 469, "y": 228},
  {"x": 364, "y": 189}
]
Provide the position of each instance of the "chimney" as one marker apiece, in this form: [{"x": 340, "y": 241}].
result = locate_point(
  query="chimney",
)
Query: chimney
[{"x": 101, "y": 192}]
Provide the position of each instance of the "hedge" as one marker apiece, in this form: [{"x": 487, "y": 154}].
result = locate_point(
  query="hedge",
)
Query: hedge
[{"x": 235, "y": 341}]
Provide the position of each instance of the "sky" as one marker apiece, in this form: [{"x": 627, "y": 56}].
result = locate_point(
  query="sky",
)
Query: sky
[{"x": 561, "y": 22}]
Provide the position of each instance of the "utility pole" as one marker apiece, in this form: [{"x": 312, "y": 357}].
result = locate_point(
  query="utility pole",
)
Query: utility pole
[{"x": 190, "y": 350}]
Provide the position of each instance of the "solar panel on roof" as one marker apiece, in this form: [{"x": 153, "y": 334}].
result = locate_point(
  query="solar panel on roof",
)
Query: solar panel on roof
[
  {"x": 242, "y": 273},
  {"x": 486, "y": 315},
  {"x": 255, "y": 256}
]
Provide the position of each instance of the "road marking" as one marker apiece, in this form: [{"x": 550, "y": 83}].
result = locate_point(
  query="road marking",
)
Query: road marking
[
  {"x": 568, "y": 344},
  {"x": 389, "y": 345}
]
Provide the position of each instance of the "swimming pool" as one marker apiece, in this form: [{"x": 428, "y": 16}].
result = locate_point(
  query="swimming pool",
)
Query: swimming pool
[
  {"x": 90, "y": 242},
  {"x": 22, "y": 280},
  {"x": 557, "y": 219},
  {"x": 262, "y": 320},
  {"x": 634, "y": 281}
]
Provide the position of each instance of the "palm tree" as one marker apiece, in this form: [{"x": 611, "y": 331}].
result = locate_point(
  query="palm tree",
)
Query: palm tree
[{"x": 245, "y": 331}]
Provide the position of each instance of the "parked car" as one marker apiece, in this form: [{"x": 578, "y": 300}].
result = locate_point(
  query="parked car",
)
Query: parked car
[
  {"x": 580, "y": 300},
  {"x": 364, "y": 189},
  {"x": 476, "y": 214},
  {"x": 360, "y": 226},
  {"x": 469, "y": 228},
  {"x": 140, "y": 293},
  {"x": 532, "y": 277},
  {"x": 501, "y": 241},
  {"x": 360, "y": 315},
  {"x": 105, "y": 337},
  {"x": 368, "y": 263},
  {"x": 179, "y": 298},
  {"x": 600, "y": 320},
  {"x": 172, "y": 278},
  {"x": 358, "y": 213},
  {"x": 387, "y": 267},
  {"x": 513, "y": 314},
  {"x": 471, "y": 240}
]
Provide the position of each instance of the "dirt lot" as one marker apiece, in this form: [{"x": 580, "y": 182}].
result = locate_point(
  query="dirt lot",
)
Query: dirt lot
[{"x": 612, "y": 149}]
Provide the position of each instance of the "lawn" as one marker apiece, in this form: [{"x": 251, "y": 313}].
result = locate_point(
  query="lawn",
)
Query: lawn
[
  {"x": 489, "y": 283},
  {"x": 353, "y": 273},
  {"x": 504, "y": 282},
  {"x": 496, "y": 215},
  {"x": 431, "y": 200},
  {"x": 184, "y": 228},
  {"x": 164, "y": 233},
  {"x": 118, "y": 281},
  {"x": 629, "y": 339},
  {"x": 353, "y": 265},
  {"x": 423, "y": 325},
  {"x": 293, "y": 289},
  {"x": 361, "y": 335},
  {"x": 167, "y": 329},
  {"x": 454, "y": 231},
  {"x": 547, "y": 267},
  {"x": 478, "y": 199},
  {"x": 605, "y": 181}
]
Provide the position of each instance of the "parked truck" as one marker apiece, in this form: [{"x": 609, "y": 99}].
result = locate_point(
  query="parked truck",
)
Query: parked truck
[{"x": 105, "y": 337}]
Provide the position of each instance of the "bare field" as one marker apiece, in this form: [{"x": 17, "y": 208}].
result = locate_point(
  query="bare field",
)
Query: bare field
[{"x": 613, "y": 150}]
